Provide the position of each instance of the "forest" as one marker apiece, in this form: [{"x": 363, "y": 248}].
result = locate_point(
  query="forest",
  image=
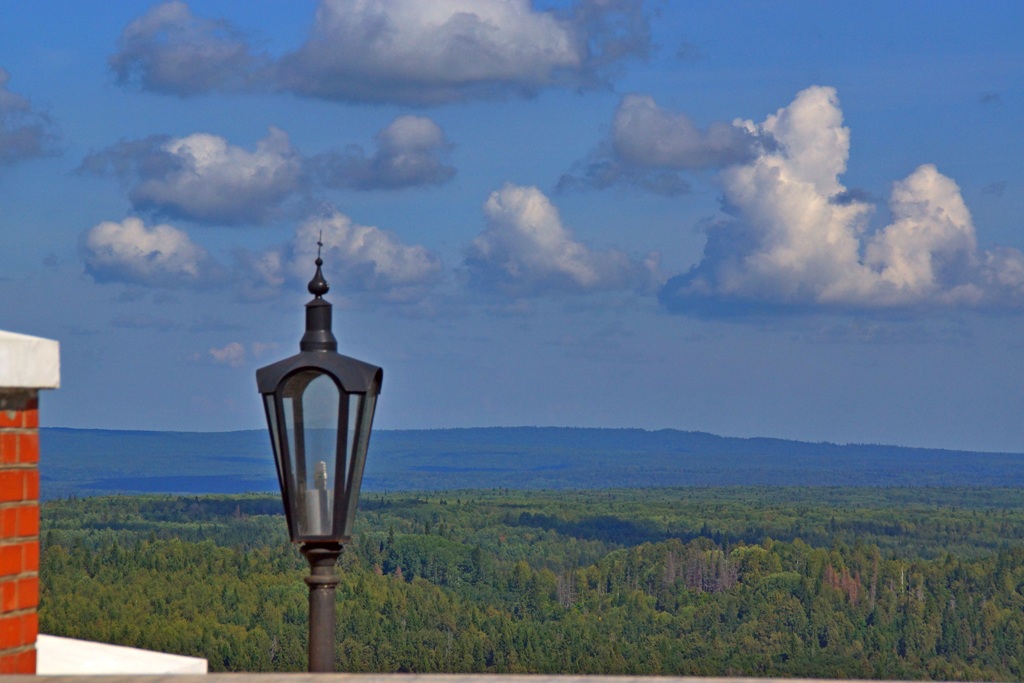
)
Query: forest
[{"x": 897, "y": 583}]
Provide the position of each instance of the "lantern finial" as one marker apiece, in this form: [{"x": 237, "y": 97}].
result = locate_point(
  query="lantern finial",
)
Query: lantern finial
[
  {"x": 318, "y": 285},
  {"x": 318, "y": 335}
]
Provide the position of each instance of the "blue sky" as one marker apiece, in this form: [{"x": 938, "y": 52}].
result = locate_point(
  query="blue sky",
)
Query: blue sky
[{"x": 797, "y": 220}]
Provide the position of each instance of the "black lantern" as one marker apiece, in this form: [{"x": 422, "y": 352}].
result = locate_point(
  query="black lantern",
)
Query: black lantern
[{"x": 319, "y": 407}]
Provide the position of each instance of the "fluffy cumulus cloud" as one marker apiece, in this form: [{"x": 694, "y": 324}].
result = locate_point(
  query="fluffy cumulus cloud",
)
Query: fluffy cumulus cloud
[
  {"x": 526, "y": 250},
  {"x": 411, "y": 151},
  {"x": 158, "y": 256},
  {"x": 169, "y": 50},
  {"x": 24, "y": 131},
  {"x": 202, "y": 177},
  {"x": 399, "y": 51},
  {"x": 358, "y": 259},
  {"x": 798, "y": 238},
  {"x": 418, "y": 52},
  {"x": 649, "y": 146}
]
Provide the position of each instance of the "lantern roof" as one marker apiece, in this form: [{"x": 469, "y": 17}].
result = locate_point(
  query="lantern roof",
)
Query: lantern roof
[{"x": 354, "y": 376}]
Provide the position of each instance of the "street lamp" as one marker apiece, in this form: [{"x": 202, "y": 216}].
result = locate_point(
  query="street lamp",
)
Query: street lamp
[{"x": 319, "y": 407}]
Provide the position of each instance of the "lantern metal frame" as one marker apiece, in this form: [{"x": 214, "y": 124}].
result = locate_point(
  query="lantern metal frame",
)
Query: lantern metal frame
[{"x": 352, "y": 378}]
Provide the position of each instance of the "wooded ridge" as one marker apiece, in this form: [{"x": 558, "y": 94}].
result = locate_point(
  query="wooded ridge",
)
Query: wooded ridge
[{"x": 91, "y": 462}]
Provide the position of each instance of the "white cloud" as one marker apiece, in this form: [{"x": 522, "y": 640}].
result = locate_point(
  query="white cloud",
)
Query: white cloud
[
  {"x": 648, "y": 146},
  {"x": 930, "y": 249},
  {"x": 526, "y": 250},
  {"x": 24, "y": 132},
  {"x": 160, "y": 256},
  {"x": 399, "y": 51},
  {"x": 232, "y": 354},
  {"x": 411, "y": 151},
  {"x": 357, "y": 259},
  {"x": 169, "y": 50},
  {"x": 800, "y": 238},
  {"x": 201, "y": 177},
  {"x": 415, "y": 52}
]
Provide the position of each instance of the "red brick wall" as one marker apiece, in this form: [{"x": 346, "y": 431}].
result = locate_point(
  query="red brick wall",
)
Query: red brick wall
[{"x": 19, "y": 531}]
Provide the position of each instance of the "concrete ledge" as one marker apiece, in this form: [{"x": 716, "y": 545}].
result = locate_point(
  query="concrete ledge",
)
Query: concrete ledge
[
  {"x": 405, "y": 678},
  {"x": 68, "y": 656},
  {"x": 28, "y": 362}
]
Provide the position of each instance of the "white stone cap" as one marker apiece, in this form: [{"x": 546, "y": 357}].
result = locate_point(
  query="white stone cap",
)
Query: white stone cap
[
  {"x": 28, "y": 362},
  {"x": 56, "y": 655}
]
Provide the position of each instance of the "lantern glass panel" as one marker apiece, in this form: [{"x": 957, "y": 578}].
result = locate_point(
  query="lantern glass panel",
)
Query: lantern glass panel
[
  {"x": 311, "y": 403},
  {"x": 360, "y": 421},
  {"x": 275, "y": 438}
]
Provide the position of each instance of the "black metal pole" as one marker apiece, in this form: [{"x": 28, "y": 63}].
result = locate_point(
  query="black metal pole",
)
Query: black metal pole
[{"x": 321, "y": 581}]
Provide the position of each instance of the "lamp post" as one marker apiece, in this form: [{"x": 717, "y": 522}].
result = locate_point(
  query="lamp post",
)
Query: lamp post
[{"x": 319, "y": 407}]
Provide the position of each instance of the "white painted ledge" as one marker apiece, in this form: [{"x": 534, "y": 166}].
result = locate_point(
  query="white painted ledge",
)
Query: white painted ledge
[
  {"x": 67, "y": 656},
  {"x": 28, "y": 362},
  {"x": 403, "y": 678}
]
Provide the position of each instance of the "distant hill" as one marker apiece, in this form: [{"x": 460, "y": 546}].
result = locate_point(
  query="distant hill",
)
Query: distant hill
[{"x": 85, "y": 462}]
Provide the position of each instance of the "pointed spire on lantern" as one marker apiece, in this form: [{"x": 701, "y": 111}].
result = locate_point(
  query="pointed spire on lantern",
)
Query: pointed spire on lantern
[
  {"x": 318, "y": 336},
  {"x": 318, "y": 285}
]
